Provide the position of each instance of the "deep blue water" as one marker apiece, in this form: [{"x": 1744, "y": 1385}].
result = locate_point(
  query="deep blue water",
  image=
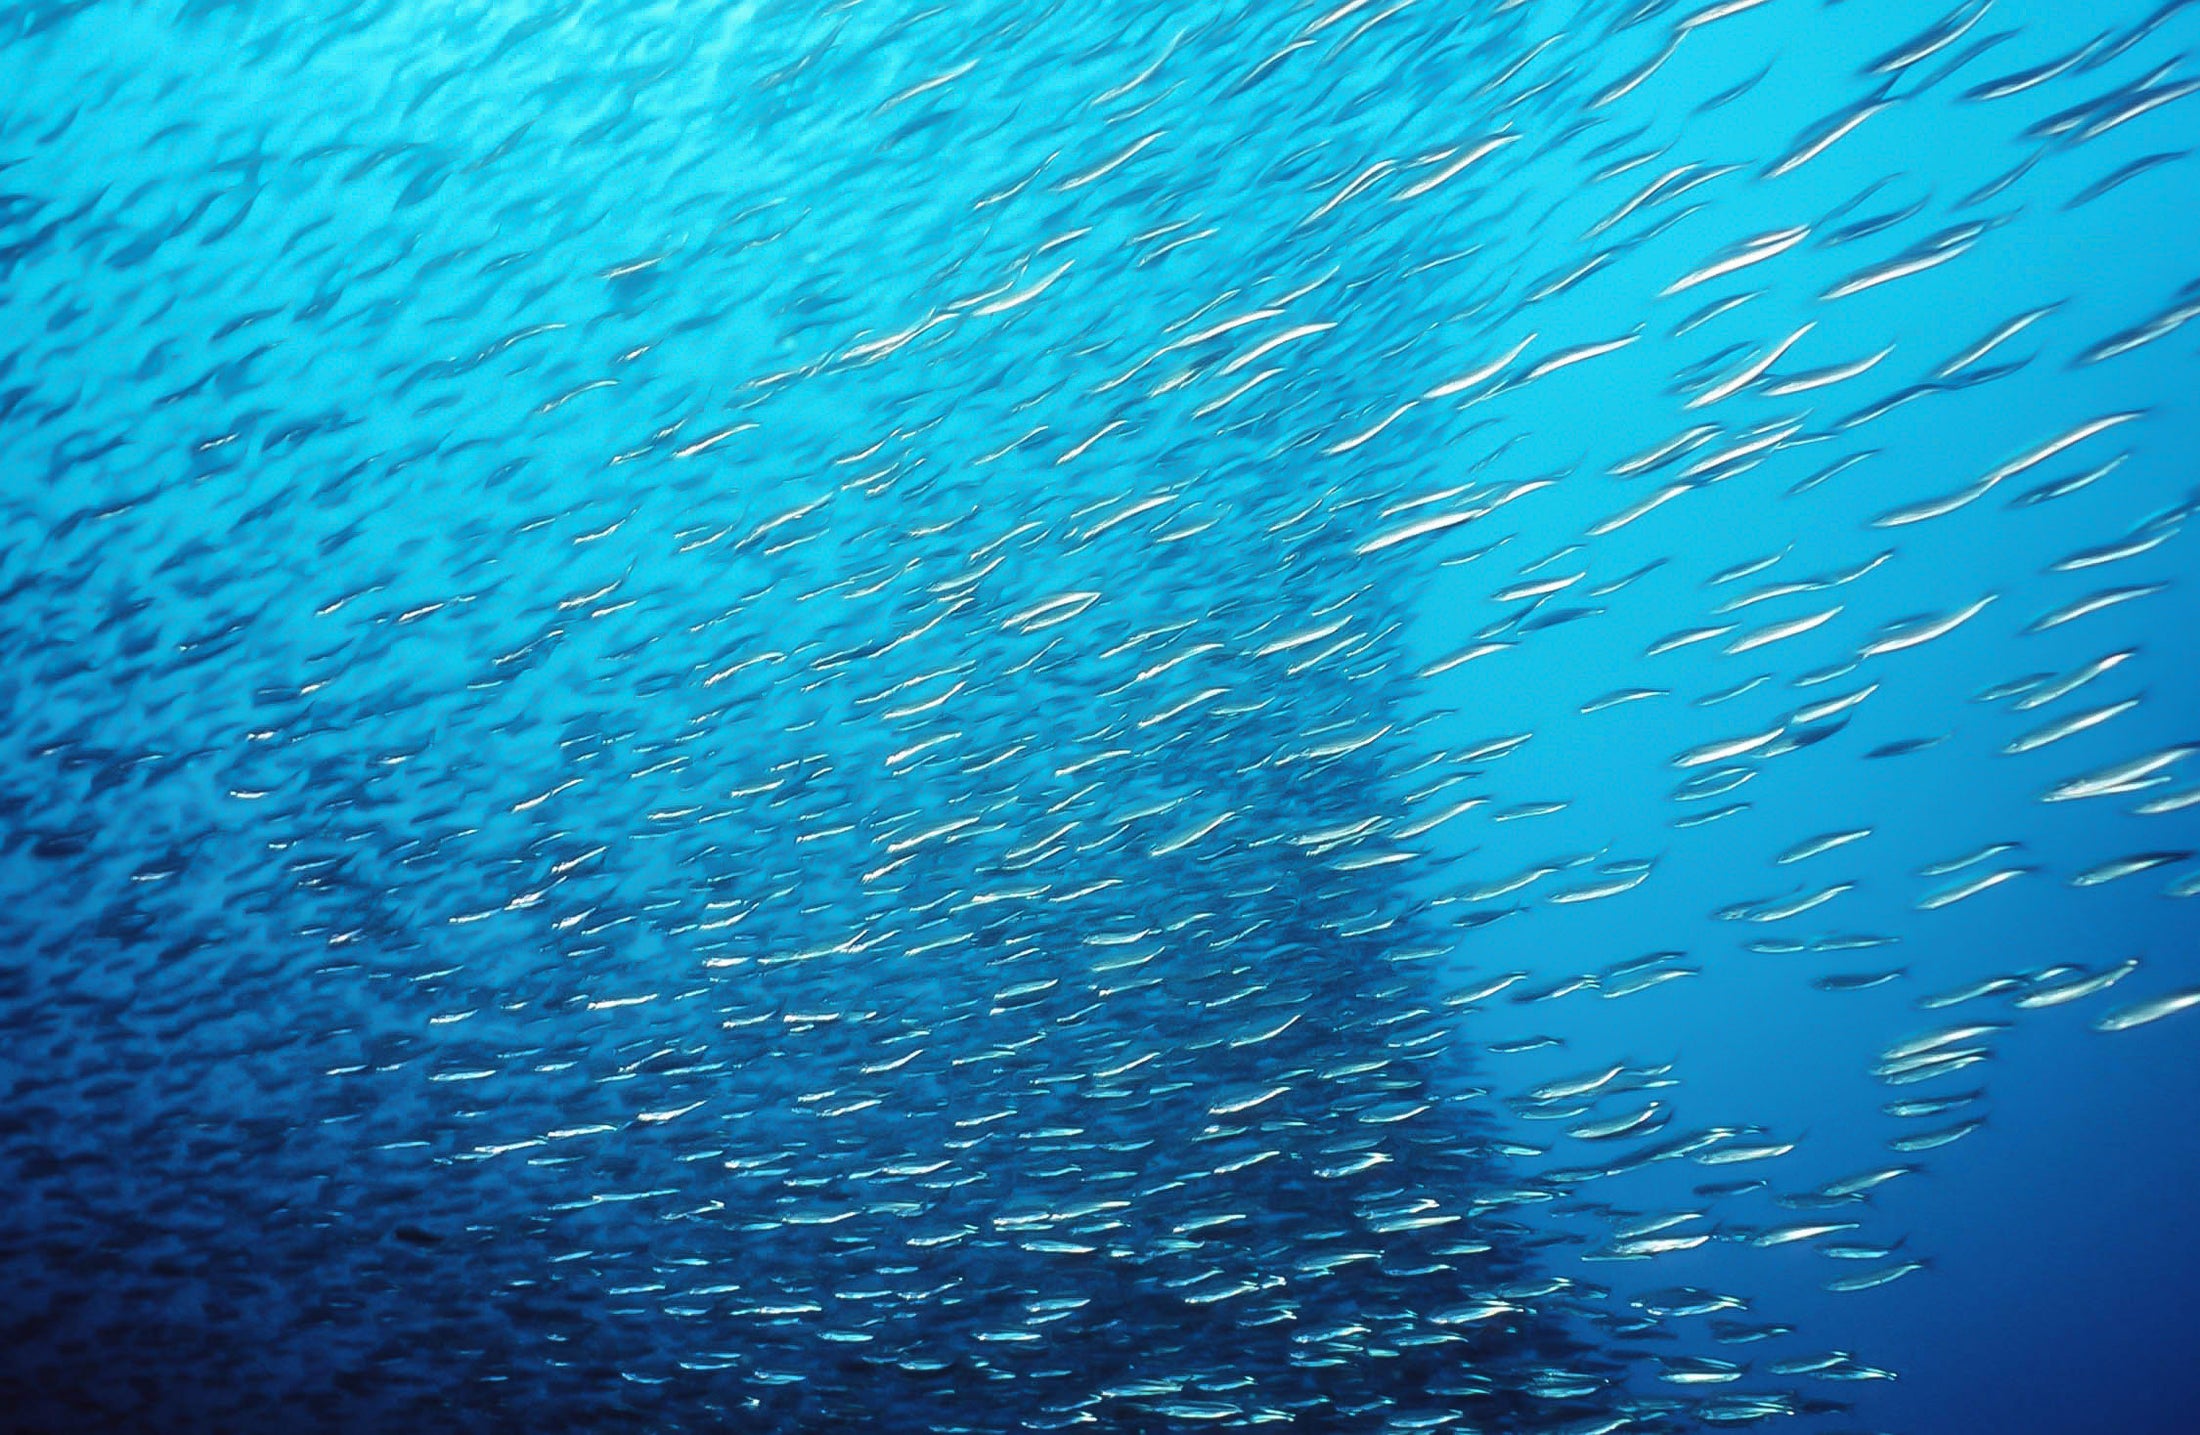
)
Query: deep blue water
[{"x": 973, "y": 717}]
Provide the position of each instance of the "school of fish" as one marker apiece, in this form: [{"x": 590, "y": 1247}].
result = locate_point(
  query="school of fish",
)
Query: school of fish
[{"x": 803, "y": 716}]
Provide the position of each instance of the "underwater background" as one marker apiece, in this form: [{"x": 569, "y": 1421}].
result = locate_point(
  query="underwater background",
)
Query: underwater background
[{"x": 971, "y": 717}]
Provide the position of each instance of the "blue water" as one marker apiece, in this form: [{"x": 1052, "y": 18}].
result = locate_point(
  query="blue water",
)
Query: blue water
[{"x": 808, "y": 717}]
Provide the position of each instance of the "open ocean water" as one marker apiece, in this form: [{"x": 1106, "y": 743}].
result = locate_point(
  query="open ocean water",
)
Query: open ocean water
[{"x": 798, "y": 716}]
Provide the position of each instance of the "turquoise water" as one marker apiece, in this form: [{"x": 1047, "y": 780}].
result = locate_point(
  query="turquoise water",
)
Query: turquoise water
[{"x": 804, "y": 717}]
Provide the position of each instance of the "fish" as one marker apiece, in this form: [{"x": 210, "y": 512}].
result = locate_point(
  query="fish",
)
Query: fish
[
  {"x": 1823, "y": 135},
  {"x": 2031, "y": 458},
  {"x": 1865, "y": 1181},
  {"x": 2124, "y": 341},
  {"x": 2092, "y": 603},
  {"x": 2152, "y": 1010},
  {"x": 1852, "y": 941},
  {"x": 1698, "y": 1370},
  {"x": 1481, "y": 374},
  {"x": 2030, "y": 77},
  {"x": 2068, "y": 726},
  {"x": 1724, "y": 749},
  {"x": 1573, "y": 354},
  {"x": 1969, "y": 887},
  {"x": 1825, "y": 842},
  {"x": 1619, "y": 696},
  {"x": 2120, "y": 867},
  {"x": 2077, "y": 988},
  {"x": 2116, "y": 552},
  {"x": 1716, "y": 814},
  {"x": 1831, "y": 471},
  {"x": 1857, "y": 982},
  {"x": 1930, "y": 1066},
  {"x": 1819, "y": 712},
  {"x": 1795, "y": 906},
  {"x": 1932, "y": 1106},
  {"x": 1741, "y": 255},
  {"x": 1613, "y": 988},
  {"x": 1932, "y": 40},
  {"x": 1873, "y": 1279},
  {"x": 1969, "y": 859},
  {"x": 1951, "y": 1036},
  {"x": 2001, "y": 334},
  {"x": 1685, "y": 637},
  {"x": 1633, "y": 1123},
  {"x": 1903, "y": 747},
  {"x": 2050, "y": 691},
  {"x": 2068, "y": 484},
  {"x": 2012, "y": 687},
  {"x": 2132, "y": 775},
  {"x": 1777, "y": 632},
  {"x": 1807, "y": 1231},
  {"x": 1915, "y": 632},
  {"x": 1735, "y": 1155},
  {"x": 1933, "y": 1140},
  {"x": 1747, "y": 373},
  {"x": 1970, "y": 992},
  {"x": 1747, "y": 685},
  {"x": 1929, "y": 253}
]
